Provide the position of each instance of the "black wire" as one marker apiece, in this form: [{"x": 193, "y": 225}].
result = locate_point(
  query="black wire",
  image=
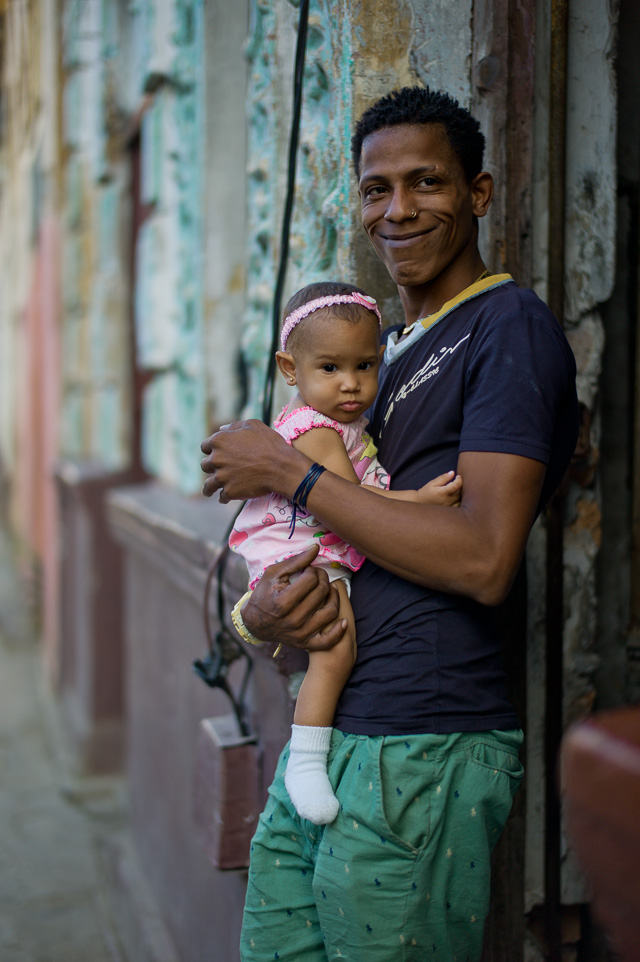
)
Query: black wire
[
  {"x": 213, "y": 669},
  {"x": 294, "y": 135}
]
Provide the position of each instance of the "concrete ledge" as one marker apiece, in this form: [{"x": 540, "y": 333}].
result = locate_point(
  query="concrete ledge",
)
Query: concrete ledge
[
  {"x": 169, "y": 542},
  {"x": 181, "y": 536},
  {"x": 90, "y": 670}
]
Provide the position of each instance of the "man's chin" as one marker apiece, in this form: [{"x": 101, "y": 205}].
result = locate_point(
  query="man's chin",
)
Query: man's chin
[{"x": 410, "y": 275}]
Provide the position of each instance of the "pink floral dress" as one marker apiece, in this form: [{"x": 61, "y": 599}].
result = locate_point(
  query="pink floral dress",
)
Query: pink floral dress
[{"x": 262, "y": 529}]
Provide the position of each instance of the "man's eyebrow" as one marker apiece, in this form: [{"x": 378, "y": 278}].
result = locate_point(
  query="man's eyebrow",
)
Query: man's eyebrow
[{"x": 426, "y": 169}]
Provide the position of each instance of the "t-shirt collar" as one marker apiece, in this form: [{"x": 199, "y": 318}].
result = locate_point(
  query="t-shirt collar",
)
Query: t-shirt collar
[{"x": 395, "y": 350}]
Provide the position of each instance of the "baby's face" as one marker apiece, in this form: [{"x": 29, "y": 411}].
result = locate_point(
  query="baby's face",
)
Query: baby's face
[{"x": 337, "y": 367}]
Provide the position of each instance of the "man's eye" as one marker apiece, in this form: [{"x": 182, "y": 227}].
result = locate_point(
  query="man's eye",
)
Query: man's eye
[{"x": 428, "y": 182}]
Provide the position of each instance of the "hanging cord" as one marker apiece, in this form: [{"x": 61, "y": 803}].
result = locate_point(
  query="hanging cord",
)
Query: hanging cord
[
  {"x": 294, "y": 137},
  {"x": 224, "y": 647}
]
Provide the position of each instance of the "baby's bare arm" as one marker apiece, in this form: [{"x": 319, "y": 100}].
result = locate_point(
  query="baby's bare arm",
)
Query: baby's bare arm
[
  {"x": 326, "y": 446},
  {"x": 445, "y": 490}
]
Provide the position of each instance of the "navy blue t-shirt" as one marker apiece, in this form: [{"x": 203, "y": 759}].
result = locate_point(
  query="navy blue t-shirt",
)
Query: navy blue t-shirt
[{"x": 495, "y": 374}]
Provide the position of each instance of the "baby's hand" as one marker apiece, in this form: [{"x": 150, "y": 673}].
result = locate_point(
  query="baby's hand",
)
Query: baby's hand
[{"x": 446, "y": 490}]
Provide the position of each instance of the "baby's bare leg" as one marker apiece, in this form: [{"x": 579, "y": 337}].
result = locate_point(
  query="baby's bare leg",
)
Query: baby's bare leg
[
  {"x": 306, "y": 775},
  {"x": 328, "y": 672}
]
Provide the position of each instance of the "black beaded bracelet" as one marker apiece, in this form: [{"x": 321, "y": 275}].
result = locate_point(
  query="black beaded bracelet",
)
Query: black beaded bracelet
[
  {"x": 299, "y": 499},
  {"x": 304, "y": 488}
]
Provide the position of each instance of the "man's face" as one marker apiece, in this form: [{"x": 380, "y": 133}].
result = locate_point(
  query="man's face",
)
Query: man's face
[{"x": 412, "y": 168}]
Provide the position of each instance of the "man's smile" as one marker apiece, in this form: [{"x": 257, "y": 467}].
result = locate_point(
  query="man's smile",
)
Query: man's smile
[{"x": 403, "y": 240}]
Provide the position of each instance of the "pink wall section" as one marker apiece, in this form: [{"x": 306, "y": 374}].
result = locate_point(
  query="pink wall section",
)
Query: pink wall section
[{"x": 37, "y": 421}]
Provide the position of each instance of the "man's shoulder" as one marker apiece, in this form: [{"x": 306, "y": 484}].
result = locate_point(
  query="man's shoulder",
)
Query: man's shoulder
[
  {"x": 517, "y": 310},
  {"x": 509, "y": 298}
]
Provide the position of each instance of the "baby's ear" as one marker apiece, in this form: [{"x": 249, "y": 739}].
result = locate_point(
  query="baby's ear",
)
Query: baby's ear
[
  {"x": 287, "y": 366},
  {"x": 383, "y": 348}
]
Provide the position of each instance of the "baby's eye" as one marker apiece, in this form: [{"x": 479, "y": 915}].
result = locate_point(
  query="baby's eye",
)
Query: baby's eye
[
  {"x": 364, "y": 365},
  {"x": 329, "y": 368}
]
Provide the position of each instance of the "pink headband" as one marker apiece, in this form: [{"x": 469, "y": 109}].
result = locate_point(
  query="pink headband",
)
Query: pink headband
[{"x": 301, "y": 312}]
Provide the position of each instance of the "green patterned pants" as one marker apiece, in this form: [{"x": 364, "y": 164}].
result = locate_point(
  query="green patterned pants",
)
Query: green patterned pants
[{"x": 402, "y": 875}]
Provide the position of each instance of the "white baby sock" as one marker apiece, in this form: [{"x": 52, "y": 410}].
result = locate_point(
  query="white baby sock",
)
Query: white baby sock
[{"x": 306, "y": 775}]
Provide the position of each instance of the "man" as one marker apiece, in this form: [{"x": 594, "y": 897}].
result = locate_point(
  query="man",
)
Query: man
[{"x": 424, "y": 757}]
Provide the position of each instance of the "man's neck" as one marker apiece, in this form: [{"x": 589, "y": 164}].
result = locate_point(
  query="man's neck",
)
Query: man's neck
[{"x": 418, "y": 302}]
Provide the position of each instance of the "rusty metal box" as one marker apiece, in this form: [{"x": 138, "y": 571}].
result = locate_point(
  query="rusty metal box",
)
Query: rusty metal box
[{"x": 227, "y": 798}]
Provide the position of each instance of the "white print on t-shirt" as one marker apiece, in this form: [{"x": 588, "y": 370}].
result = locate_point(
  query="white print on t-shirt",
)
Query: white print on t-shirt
[{"x": 427, "y": 371}]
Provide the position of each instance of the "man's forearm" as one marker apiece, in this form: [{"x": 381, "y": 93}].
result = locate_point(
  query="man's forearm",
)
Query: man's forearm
[
  {"x": 415, "y": 541},
  {"x": 473, "y": 550}
]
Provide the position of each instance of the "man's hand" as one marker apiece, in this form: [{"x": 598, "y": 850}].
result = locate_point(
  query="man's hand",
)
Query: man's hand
[
  {"x": 300, "y": 613},
  {"x": 241, "y": 461}
]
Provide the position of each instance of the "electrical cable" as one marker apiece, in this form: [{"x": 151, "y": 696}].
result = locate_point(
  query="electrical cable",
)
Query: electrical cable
[
  {"x": 224, "y": 648},
  {"x": 294, "y": 137}
]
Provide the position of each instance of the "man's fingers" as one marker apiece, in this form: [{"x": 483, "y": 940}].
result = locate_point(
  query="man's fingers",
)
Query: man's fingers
[
  {"x": 210, "y": 487},
  {"x": 302, "y": 603},
  {"x": 317, "y": 609},
  {"x": 296, "y": 563},
  {"x": 307, "y": 592},
  {"x": 297, "y": 611},
  {"x": 207, "y": 445}
]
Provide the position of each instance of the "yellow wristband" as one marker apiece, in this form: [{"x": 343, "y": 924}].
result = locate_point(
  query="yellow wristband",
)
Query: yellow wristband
[{"x": 239, "y": 625}]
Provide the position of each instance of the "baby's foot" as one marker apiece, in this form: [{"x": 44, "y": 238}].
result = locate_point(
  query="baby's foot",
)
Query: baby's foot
[{"x": 306, "y": 776}]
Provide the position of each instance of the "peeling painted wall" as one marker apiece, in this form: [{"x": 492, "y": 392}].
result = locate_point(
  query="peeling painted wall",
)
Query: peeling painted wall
[
  {"x": 590, "y": 246},
  {"x": 224, "y": 206},
  {"x": 30, "y": 241},
  {"x": 348, "y": 66},
  {"x": 123, "y": 59},
  {"x": 168, "y": 296},
  {"x": 96, "y": 374},
  {"x": 322, "y": 221}
]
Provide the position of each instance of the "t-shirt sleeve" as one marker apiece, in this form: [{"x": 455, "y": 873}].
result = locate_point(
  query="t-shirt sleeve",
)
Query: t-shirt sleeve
[
  {"x": 305, "y": 419},
  {"x": 519, "y": 374}
]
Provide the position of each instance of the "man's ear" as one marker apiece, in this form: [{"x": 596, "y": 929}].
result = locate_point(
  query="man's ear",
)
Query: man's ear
[
  {"x": 287, "y": 366},
  {"x": 481, "y": 193}
]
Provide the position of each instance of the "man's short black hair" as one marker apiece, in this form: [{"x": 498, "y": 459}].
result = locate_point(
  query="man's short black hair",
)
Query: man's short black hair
[{"x": 420, "y": 105}]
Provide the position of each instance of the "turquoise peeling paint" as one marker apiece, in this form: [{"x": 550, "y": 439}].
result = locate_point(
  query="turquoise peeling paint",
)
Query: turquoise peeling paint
[
  {"x": 164, "y": 40},
  {"x": 263, "y": 194},
  {"x": 320, "y": 232},
  {"x": 169, "y": 314}
]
